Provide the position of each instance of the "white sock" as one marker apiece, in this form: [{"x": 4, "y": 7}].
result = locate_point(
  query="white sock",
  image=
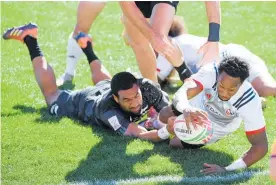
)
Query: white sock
[{"x": 74, "y": 53}]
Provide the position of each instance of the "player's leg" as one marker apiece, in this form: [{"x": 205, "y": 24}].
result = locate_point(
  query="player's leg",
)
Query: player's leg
[
  {"x": 142, "y": 49},
  {"x": 44, "y": 73},
  {"x": 265, "y": 85},
  {"x": 87, "y": 13},
  {"x": 162, "y": 17},
  {"x": 99, "y": 72}
]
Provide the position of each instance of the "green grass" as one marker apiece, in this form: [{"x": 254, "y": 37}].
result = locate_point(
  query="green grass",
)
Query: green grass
[{"x": 40, "y": 149}]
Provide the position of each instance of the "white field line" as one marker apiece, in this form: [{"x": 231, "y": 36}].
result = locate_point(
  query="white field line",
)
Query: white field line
[{"x": 177, "y": 179}]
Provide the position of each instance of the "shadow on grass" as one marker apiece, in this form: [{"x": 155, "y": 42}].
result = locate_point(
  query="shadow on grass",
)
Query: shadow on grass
[
  {"x": 45, "y": 117},
  {"x": 108, "y": 161}
]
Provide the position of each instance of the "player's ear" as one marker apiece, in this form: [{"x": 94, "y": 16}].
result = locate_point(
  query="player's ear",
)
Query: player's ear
[{"x": 115, "y": 98}]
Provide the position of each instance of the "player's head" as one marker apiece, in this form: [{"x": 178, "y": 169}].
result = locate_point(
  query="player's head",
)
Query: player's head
[
  {"x": 126, "y": 92},
  {"x": 178, "y": 27},
  {"x": 232, "y": 73}
]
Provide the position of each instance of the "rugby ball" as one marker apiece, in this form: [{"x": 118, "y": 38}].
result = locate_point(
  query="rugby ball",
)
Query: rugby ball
[{"x": 201, "y": 135}]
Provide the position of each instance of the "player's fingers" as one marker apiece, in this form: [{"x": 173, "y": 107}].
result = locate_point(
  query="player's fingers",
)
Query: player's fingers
[
  {"x": 207, "y": 165},
  {"x": 200, "y": 117},
  {"x": 203, "y": 115},
  {"x": 194, "y": 119},
  {"x": 188, "y": 121},
  {"x": 209, "y": 172}
]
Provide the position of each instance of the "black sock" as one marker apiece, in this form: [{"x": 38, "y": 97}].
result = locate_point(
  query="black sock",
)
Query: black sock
[
  {"x": 88, "y": 51},
  {"x": 33, "y": 47},
  {"x": 183, "y": 71}
]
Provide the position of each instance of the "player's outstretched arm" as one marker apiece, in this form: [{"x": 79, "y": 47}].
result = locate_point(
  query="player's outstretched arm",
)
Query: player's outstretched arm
[
  {"x": 135, "y": 130},
  {"x": 210, "y": 49},
  {"x": 257, "y": 151}
]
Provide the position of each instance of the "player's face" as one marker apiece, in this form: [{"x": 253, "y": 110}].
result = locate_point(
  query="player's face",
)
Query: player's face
[
  {"x": 227, "y": 86},
  {"x": 130, "y": 100}
]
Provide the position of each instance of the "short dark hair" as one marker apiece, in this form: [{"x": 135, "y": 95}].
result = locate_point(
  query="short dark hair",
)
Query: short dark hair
[
  {"x": 122, "y": 81},
  {"x": 234, "y": 67}
]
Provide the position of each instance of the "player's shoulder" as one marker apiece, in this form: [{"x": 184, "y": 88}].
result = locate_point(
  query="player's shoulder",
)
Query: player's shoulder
[
  {"x": 209, "y": 70},
  {"x": 245, "y": 96},
  {"x": 145, "y": 84}
]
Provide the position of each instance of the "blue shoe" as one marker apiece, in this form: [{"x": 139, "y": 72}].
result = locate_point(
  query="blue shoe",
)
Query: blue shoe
[{"x": 18, "y": 33}]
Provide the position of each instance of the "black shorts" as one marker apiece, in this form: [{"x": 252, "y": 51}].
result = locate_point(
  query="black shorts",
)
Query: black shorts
[
  {"x": 190, "y": 146},
  {"x": 147, "y": 6},
  {"x": 73, "y": 104}
]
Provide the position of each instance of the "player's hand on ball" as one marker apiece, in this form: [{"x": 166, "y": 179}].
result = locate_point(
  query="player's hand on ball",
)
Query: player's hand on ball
[
  {"x": 210, "y": 52},
  {"x": 170, "y": 125},
  {"x": 194, "y": 116},
  {"x": 212, "y": 169}
]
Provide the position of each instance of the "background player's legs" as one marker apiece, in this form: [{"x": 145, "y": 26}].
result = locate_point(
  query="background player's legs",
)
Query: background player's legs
[
  {"x": 142, "y": 49},
  {"x": 265, "y": 85},
  {"x": 161, "y": 20},
  {"x": 87, "y": 13},
  {"x": 99, "y": 72}
]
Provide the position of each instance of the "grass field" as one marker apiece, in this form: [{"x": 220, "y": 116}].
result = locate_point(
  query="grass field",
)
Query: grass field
[{"x": 40, "y": 149}]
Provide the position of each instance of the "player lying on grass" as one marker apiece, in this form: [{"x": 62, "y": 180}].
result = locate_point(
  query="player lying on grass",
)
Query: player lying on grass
[
  {"x": 116, "y": 103},
  {"x": 259, "y": 77},
  {"x": 227, "y": 98}
]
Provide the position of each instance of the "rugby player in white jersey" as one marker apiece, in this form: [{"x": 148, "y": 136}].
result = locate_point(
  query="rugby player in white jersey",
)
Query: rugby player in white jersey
[
  {"x": 189, "y": 44},
  {"x": 227, "y": 98}
]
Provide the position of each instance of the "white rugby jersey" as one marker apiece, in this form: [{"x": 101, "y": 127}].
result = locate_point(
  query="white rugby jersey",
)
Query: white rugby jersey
[
  {"x": 227, "y": 116},
  {"x": 190, "y": 44}
]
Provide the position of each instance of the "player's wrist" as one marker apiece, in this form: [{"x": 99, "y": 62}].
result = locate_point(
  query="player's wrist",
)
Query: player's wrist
[
  {"x": 183, "y": 71},
  {"x": 237, "y": 165},
  {"x": 214, "y": 29},
  {"x": 163, "y": 133}
]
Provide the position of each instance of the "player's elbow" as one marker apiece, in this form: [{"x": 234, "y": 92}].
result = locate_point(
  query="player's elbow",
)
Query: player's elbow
[{"x": 262, "y": 148}]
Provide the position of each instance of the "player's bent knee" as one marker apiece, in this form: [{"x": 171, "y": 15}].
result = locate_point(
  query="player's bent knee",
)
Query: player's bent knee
[
  {"x": 175, "y": 143},
  {"x": 51, "y": 96}
]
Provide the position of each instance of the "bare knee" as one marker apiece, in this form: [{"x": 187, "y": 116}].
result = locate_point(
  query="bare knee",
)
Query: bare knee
[
  {"x": 51, "y": 96},
  {"x": 264, "y": 86},
  {"x": 175, "y": 143}
]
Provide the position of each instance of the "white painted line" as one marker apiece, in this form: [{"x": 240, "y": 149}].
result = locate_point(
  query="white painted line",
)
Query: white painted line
[{"x": 177, "y": 179}]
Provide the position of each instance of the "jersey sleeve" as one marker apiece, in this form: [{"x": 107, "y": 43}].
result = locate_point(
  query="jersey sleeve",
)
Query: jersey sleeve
[
  {"x": 155, "y": 96},
  {"x": 250, "y": 110},
  {"x": 115, "y": 120},
  {"x": 207, "y": 76}
]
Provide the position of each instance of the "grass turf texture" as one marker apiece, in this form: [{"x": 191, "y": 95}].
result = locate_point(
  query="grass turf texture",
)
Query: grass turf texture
[{"x": 40, "y": 149}]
